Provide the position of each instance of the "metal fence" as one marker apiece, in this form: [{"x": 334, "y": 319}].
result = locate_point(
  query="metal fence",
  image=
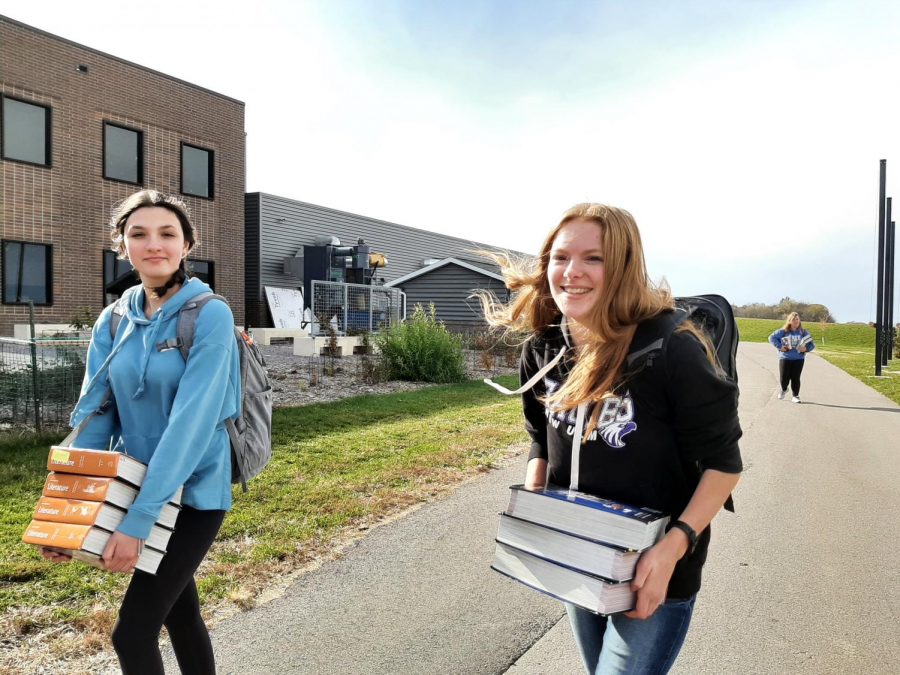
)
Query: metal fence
[
  {"x": 39, "y": 381},
  {"x": 355, "y": 308}
]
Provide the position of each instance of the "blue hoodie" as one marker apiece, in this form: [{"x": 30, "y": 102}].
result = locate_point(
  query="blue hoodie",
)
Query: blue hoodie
[
  {"x": 171, "y": 412},
  {"x": 792, "y": 339}
]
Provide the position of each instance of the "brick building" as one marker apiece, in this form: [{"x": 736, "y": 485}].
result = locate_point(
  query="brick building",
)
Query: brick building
[{"x": 79, "y": 131}]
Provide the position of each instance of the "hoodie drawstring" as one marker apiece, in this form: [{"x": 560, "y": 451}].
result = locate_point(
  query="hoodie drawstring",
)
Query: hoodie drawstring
[{"x": 580, "y": 412}]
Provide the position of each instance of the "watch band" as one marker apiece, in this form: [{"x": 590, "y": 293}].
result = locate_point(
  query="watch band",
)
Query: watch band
[{"x": 688, "y": 531}]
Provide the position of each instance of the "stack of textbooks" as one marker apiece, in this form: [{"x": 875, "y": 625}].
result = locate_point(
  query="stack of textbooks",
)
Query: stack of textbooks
[
  {"x": 575, "y": 547},
  {"x": 85, "y": 497}
]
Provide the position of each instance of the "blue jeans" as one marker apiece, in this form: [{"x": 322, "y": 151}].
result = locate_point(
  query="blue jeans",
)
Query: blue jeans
[{"x": 616, "y": 645}]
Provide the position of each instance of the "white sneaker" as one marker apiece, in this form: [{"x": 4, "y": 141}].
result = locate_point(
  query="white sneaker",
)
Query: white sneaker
[
  {"x": 781, "y": 394},
  {"x": 795, "y": 399}
]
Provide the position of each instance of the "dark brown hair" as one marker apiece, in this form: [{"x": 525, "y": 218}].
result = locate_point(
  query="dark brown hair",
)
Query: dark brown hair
[{"x": 151, "y": 198}]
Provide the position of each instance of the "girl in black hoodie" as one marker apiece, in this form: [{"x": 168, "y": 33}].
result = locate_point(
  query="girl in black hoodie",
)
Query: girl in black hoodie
[{"x": 664, "y": 436}]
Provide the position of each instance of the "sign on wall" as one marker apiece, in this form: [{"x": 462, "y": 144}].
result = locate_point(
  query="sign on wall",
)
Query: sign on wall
[{"x": 286, "y": 306}]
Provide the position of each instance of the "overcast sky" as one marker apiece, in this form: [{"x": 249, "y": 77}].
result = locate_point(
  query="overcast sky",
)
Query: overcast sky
[{"x": 744, "y": 136}]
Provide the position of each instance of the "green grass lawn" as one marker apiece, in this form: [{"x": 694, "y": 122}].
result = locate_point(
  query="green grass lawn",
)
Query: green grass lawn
[
  {"x": 337, "y": 465},
  {"x": 849, "y": 346}
]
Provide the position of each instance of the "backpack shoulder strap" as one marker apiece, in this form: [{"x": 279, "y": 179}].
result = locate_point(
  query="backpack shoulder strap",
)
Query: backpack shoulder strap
[
  {"x": 186, "y": 323},
  {"x": 650, "y": 338},
  {"x": 120, "y": 308}
]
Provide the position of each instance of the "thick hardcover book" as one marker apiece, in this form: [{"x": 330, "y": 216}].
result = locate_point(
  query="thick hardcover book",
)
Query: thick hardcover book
[
  {"x": 580, "y": 553},
  {"x": 100, "y": 489},
  {"x": 88, "y": 537},
  {"x": 83, "y": 512},
  {"x": 585, "y": 515},
  {"x": 148, "y": 562},
  {"x": 86, "y": 543},
  {"x": 591, "y": 592},
  {"x": 78, "y": 512},
  {"x": 96, "y": 463},
  {"x": 795, "y": 341}
]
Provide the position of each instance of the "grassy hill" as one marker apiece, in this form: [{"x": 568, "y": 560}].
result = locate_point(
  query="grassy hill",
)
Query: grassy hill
[
  {"x": 855, "y": 335},
  {"x": 849, "y": 346}
]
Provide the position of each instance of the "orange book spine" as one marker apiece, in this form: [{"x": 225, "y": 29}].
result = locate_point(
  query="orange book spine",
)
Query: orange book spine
[
  {"x": 74, "y": 511},
  {"x": 85, "y": 462},
  {"x": 59, "y": 535},
  {"x": 73, "y": 486}
]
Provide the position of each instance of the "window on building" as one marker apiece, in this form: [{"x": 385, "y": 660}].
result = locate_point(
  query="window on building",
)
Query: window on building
[
  {"x": 204, "y": 270},
  {"x": 27, "y": 273},
  {"x": 118, "y": 275},
  {"x": 26, "y": 132},
  {"x": 196, "y": 171},
  {"x": 123, "y": 154}
]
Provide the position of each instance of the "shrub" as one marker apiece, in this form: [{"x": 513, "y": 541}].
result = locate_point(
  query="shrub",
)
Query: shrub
[
  {"x": 82, "y": 319},
  {"x": 422, "y": 349}
]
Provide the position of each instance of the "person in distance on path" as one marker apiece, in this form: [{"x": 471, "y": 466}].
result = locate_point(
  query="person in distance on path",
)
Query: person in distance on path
[
  {"x": 672, "y": 444},
  {"x": 168, "y": 413},
  {"x": 793, "y": 342}
]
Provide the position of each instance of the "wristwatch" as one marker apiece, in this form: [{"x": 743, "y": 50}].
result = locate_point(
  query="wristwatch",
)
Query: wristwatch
[{"x": 688, "y": 531}]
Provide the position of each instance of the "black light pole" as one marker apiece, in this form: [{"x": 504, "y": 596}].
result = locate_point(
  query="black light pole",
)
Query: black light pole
[
  {"x": 886, "y": 321},
  {"x": 892, "y": 331},
  {"x": 879, "y": 287}
]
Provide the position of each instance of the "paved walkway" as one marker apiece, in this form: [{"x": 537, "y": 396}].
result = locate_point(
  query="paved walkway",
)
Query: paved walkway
[{"x": 802, "y": 579}]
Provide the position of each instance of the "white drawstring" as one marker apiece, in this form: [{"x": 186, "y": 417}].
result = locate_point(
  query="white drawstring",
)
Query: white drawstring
[
  {"x": 576, "y": 445},
  {"x": 528, "y": 385},
  {"x": 579, "y": 414}
]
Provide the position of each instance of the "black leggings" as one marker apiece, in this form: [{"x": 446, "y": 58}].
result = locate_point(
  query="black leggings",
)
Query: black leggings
[
  {"x": 169, "y": 599},
  {"x": 790, "y": 372}
]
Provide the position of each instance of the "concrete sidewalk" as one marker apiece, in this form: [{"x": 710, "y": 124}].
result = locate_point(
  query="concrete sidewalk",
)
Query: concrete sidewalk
[{"x": 802, "y": 579}]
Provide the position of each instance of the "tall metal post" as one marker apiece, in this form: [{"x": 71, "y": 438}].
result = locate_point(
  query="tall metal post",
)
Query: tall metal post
[
  {"x": 879, "y": 287},
  {"x": 35, "y": 394},
  {"x": 892, "y": 331},
  {"x": 346, "y": 306},
  {"x": 885, "y": 314}
]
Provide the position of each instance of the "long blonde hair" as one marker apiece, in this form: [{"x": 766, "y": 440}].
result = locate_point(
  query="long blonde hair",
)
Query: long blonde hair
[
  {"x": 628, "y": 297},
  {"x": 789, "y": 319}
]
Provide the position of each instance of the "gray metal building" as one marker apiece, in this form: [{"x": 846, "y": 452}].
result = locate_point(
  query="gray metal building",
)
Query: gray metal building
[
  {"x": 428, "y": 266},
  {"x": 447, "y": 284}
]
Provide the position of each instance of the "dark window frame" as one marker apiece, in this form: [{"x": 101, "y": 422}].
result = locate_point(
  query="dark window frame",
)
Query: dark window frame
[
  {"x": 48, "y": 272},
  {"x": 140, "y": 154},
  {"x": 212, "y": 170},
  {"x": 114, "y": 259},
  {"x": 48, "y": 132},
  {"x": 211, "y": 275}
]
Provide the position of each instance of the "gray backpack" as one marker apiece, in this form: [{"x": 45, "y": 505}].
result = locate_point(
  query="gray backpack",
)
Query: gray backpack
[{"x": 250, "y": 431}]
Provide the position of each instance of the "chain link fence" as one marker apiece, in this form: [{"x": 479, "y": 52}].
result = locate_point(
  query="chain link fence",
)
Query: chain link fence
[
  {"x": 39, "y": 381},
  {"x": 352, "y": 309}
]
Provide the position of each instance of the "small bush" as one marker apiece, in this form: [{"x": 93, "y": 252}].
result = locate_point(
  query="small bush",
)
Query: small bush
[
  {"x": 422, "y": 349},
  {"x": 371, "y": 369},
  {"x": 481, "y": 341},
  {"x": 82, "y": 319}
]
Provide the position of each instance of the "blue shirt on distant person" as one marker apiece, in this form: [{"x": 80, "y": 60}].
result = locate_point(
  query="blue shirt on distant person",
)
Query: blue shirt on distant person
[{"x": 792, "y": 339}]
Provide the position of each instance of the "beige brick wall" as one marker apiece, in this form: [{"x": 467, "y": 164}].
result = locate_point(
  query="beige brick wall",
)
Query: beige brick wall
[{"x": 68, "y": 203}]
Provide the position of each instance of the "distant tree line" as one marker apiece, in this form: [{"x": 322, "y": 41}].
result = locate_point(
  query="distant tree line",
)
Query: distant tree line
[{"x": 807, "y": 311}]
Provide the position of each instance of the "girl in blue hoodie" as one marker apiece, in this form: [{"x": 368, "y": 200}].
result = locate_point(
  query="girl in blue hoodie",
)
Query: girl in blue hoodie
[
  {"x": 793, "y": 342},
  {"x": 169, "y": 413}
]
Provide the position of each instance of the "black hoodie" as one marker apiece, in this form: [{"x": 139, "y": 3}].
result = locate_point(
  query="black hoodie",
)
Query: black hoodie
[{"x": 672, "y": 417}]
